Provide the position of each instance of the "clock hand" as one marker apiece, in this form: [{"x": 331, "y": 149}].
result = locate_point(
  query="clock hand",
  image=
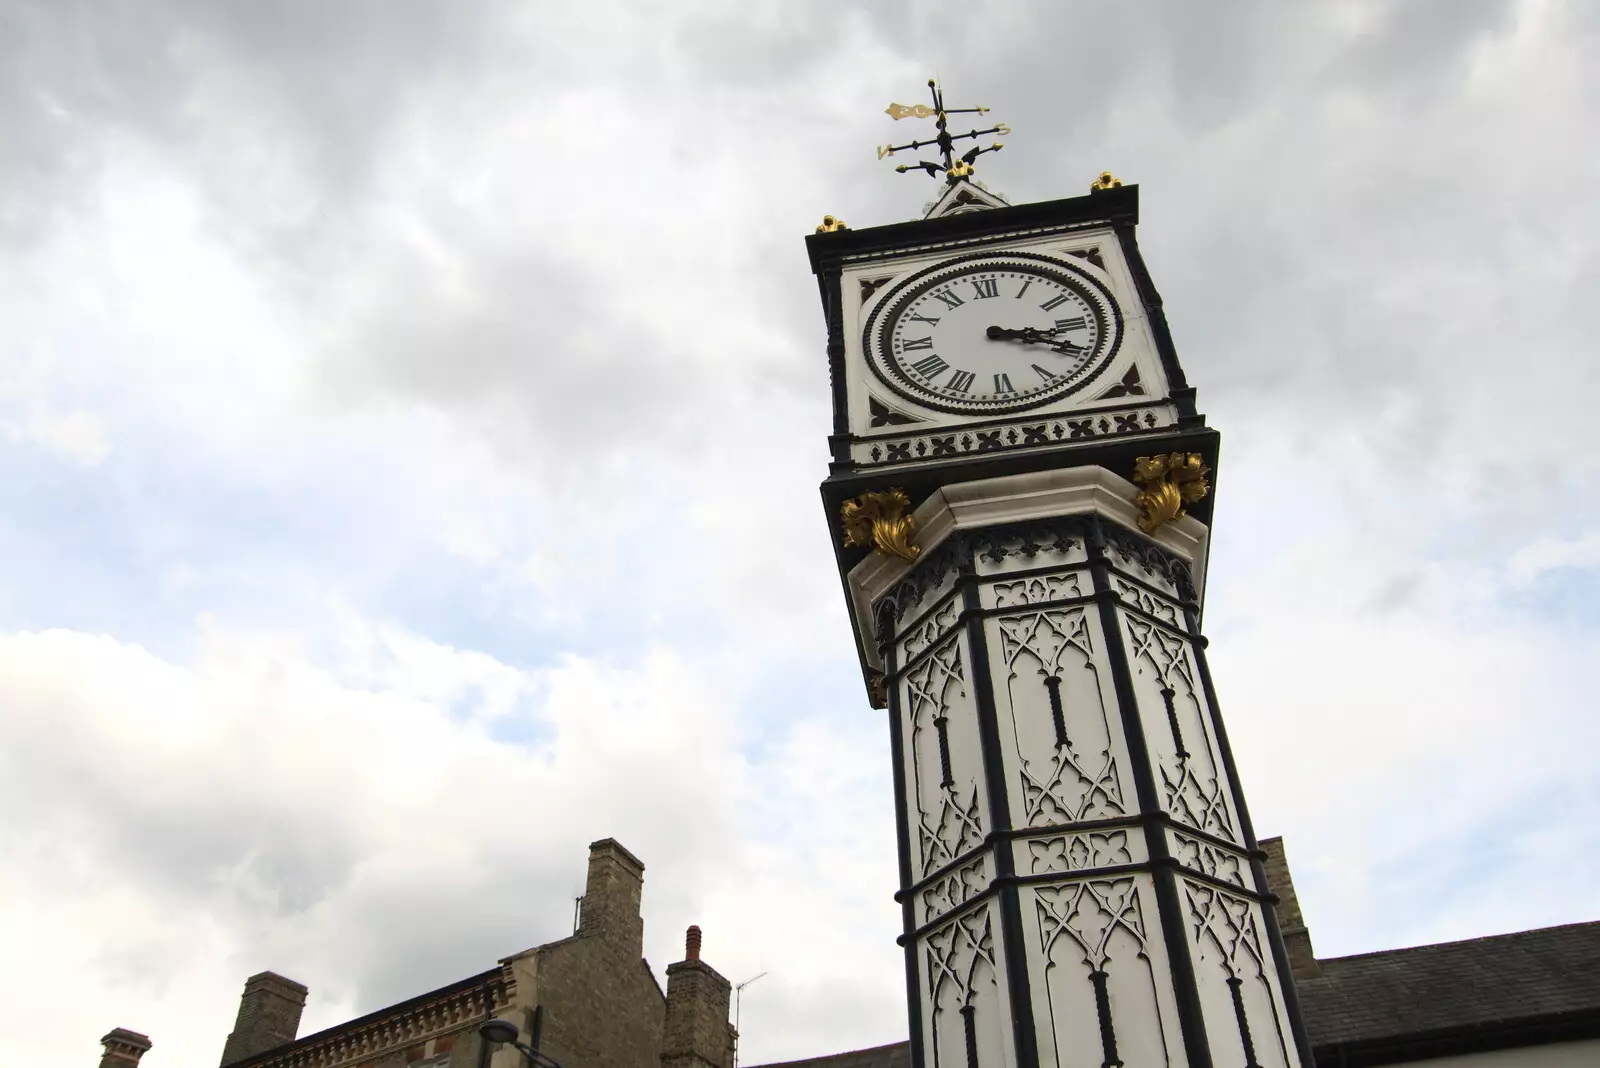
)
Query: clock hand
[
  {"x": 1031, "y": 336},
  {"x": 1027, "y": 334}
]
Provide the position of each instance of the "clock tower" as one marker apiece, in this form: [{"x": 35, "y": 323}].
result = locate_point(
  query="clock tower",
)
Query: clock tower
[{"x": 1020, "y": 500}]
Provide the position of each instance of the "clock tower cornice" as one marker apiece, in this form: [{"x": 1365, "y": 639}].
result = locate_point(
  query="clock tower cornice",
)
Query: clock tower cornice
[{"x": 831, "y": 251}]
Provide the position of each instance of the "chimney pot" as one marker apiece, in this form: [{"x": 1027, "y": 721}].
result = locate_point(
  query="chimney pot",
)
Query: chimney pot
[{"x": 691, "y": 944}]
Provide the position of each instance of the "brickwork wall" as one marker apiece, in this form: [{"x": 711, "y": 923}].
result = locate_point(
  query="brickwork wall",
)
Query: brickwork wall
[
  {"x": 1296, "y": 937},
  {"x": 601, "y": 1007},
  {"x": 463, "y": 1047}
]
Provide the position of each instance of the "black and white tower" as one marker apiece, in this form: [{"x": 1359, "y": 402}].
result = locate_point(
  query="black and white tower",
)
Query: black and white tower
[{"x": 1020, "y": 497}]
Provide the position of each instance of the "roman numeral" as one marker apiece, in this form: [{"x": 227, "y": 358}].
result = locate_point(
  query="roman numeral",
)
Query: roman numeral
[
  {"x": 960, "y": 381},
  {"x": 1046, "y": 375},
  {"x": 985, "y": 287},
  {"x": 922, "y": 319},
  {"x": 1054, "y": 302},
  {"x": 1024, "y": 288},
  {"x": 1002, "y": 384},
  {"x": 1069, "y": 349},
  {"x": 929, "y": 366},
  {"x": 1077, "y": 323},
  {"x": 907, "y": 344},
  {"x": 951, "y": 300}
]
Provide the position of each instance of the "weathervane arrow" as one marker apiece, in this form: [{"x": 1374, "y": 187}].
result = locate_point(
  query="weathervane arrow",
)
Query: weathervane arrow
[{"x": 953, "y": 168}]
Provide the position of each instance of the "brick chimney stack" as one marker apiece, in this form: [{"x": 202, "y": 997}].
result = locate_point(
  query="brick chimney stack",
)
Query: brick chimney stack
[
  {"x": 269, "y": 1016},
  {"x": 610, "y": 908},
  {"x": 696, "y": 1032},
  {"x": 1296, "y": 938},
  {"x": 123, "y": 1048}
]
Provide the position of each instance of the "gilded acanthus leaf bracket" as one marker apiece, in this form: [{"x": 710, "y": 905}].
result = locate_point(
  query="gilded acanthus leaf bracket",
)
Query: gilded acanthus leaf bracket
[
  {"x": 877, "y": 690},
  {"x": 881, "y": 521},
  {"x": 1166, "y": 484}
]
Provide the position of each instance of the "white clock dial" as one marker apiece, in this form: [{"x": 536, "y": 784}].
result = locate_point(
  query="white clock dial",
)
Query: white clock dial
[{"x": 993, "y": 333}]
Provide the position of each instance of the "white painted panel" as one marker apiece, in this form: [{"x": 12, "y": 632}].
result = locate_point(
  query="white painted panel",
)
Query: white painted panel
[
  {"x": 1074, "y": 929},
  {"x": 1190, "y": 779},
  {"x": 939, "y": 723},
  {"x": 1152, "y": 604},
  {"x": 955, "y": 888},
  {"x": 1228, "y": 942},
  {"x": 1079, "y": 851},
  {"x": 928, "y": 629},
  {"x": 1035, "y": 589},
  {"x": 1208, "y": 858},
  {"x": 1049, "y": 783},
  {"x": 959, "y": 967}
]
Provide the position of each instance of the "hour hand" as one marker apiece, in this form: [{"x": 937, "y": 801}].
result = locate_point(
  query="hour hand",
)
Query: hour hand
[{"x": 1027, "y": 334}]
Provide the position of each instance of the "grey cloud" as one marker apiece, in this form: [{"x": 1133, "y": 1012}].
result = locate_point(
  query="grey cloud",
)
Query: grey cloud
[
  {"x": 1418, "y": 45},
  {"x": 1314, "y": 264},
  {"x": 253, "y": 851}
]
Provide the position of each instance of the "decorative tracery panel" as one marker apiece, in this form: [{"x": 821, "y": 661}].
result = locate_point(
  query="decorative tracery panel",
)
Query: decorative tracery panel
[
  {"x": 1078, "y": 851},
  {"x": 943, "y": 758},
  {"x": 1064, "y": 762},
  {"x": 1235, "y": 976},
  {"x": 1193, "y": 788},
  {"x": 965, "y": 1024},
  {"x": 955, "y": 888},
  {"x": 1100, "y": 977}
]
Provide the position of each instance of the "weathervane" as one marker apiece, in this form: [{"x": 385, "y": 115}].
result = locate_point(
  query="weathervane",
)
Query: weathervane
[{"x": 953, "y": 168}]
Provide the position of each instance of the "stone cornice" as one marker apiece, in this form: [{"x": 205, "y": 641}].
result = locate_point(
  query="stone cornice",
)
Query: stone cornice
[
  {"x": 990, "y": 502},
  {"x": 430, "y": 1016}
]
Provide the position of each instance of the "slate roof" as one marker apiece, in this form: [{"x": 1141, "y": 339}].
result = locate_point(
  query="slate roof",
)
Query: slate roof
[
  {"x": 894, "y": 1055},
  {"x": 1404, "y": 1004},
  {"x": 1527, "y": 983}
]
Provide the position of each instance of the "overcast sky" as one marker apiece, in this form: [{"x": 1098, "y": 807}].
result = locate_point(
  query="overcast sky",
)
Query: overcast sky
[{"x": 411, "y": 416}]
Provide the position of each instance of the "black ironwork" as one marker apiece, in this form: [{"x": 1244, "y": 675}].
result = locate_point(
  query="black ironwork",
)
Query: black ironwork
[{"x": 953, "y": 167}]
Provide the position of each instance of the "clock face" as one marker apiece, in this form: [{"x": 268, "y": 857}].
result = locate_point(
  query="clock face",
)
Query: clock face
[{"x": 993, "y": 333}]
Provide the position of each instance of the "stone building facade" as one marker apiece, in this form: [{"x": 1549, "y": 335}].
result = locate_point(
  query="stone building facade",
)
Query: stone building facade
[{"x": 588, "y": 1001}]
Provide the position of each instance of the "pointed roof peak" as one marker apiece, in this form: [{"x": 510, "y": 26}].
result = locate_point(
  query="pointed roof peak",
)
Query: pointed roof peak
[{"x": 964, "y": 195}]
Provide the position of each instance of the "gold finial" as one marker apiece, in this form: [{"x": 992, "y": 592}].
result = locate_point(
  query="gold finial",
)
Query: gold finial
[
  {"x": 877, "y": 691},
  {"x": 1167, "y": 483},
  {"x": 1105, "y": 181},
  {"x": 830, "y": 224},
  {"x": 880, "y": 520}
]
